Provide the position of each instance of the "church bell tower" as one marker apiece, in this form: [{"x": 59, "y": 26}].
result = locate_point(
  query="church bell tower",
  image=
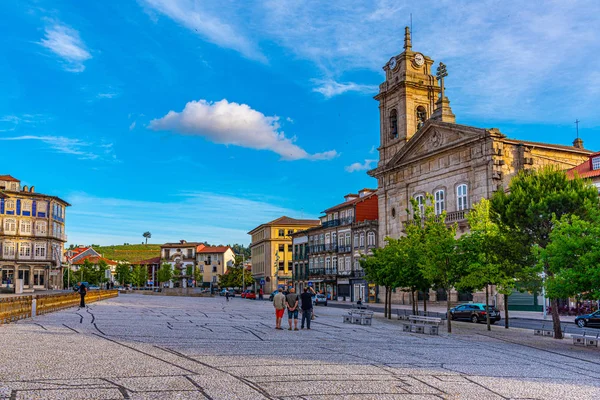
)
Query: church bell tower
[{"x": 407, "y": 98}]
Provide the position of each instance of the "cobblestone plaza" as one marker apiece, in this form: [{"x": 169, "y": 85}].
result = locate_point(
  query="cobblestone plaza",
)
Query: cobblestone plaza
[{"x": 153, "y": 347}]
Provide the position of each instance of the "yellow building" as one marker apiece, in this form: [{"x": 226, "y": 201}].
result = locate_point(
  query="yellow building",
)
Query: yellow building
[{"x": 271, "y": 249}]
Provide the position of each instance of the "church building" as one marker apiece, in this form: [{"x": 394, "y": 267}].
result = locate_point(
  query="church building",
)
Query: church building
[{"x": 423, "y": 150}]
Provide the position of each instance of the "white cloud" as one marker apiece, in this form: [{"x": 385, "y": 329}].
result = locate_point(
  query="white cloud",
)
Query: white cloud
[
  {"x": 66, "y": 43},
  {"x": 330, "y": 88},
  {"x": 83, "y": 150},
  {"x": 195, "y": 16},
  {"x": 107, "y": 95},
  {"x": 367, "y": 165},
  {"x": 235, "y": 124},
  {"x": 373, "y": 149},
  {"x": 132, "y": 126}
]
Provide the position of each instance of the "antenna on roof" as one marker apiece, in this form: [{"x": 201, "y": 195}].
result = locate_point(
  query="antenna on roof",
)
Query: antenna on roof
[{"x": 577, "y": 127}]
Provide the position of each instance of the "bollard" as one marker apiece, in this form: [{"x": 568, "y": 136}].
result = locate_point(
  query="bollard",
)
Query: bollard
[{"x": 33, "y": 307}]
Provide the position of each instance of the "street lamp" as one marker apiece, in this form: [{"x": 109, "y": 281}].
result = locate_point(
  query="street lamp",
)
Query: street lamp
[{"x": 543, "y": 276}]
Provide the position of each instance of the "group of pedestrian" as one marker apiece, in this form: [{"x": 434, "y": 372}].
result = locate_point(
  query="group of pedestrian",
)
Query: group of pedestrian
[{"x": 294, "y": 304}]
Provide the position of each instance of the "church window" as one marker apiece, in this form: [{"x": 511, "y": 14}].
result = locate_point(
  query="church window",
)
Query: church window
[
  {"x": 596, "y": 163},
  {"x": 394, "y": 124},
  {"x": 393, "y": 212},
  {"x": 462, "y": 197},
  {"x": 420, "y": 204},
  {"x": 440, "y": 204},
  {"x": 421, "y": 116}
]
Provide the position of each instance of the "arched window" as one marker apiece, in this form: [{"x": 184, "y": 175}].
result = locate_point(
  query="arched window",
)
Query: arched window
[
  {"x": 421, "y": 116},
  {"x": 25, "y": 227},
  {"x": 420, "y": 204},
  {"x": 25, "y": 250},
  {"x": 394, "y": 124},
  {"x": 462, "y": 198},
  {"x": 327, "y": 263},
  {"x": 10, "y": 225},
  {"x": 440, "y": 203},
  {"x": 371, "y": 239},
  {"x": 355, "y": 240},
  {"x": 327, "y": 238},
  {"x": 362, "y": 239}
]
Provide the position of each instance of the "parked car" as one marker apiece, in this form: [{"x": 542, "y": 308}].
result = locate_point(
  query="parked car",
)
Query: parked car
[
  {"x": 592, "y": 319},
  {"x": 249, "y": 294},
  {"x": 475, "y": 312},
  {"x": 93, "y": 287},
  {"x": 319, "y": 299}
]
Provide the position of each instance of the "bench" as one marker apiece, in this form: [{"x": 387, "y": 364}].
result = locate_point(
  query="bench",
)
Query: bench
[
  {"x": 543, "y": 331},
  {"x": 585, "y": 340},
  {"x": 359, "y": 317},
  {"x": 422, "y": 324}
]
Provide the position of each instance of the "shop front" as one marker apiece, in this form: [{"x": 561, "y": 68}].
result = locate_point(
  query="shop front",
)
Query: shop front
[{"x": 343, "y": 290}]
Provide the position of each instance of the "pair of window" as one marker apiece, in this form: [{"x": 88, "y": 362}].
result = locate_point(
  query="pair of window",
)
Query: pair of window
[
  {"x": 439, "y": 200},
  {"x": 371, "y": 239},
  {"x": 25, "y": 250},
  {"x": 10, "y": 225}
]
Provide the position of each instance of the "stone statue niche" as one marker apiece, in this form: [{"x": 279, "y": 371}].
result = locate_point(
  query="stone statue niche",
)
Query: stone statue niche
[{"x": 421, "y": 116}]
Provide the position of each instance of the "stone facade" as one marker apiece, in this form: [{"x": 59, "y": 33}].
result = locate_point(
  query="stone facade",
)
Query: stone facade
[
  {"x": 32, "y": 237},
  {"x": 422, "y": 150}
]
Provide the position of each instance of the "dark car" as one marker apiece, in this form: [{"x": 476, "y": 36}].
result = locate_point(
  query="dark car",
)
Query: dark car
[
  {"x": 592, "y": 319},
  {"x": 273, "y": 295},
  {"x": 474, "y": 312}
]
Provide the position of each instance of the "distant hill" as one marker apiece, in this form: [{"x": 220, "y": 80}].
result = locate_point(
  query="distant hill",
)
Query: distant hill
[{"x": 130, "y": 252}]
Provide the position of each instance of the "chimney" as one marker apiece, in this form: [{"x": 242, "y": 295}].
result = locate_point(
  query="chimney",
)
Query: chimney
[
  {"x": 32, "y": 189},
  {"x": 182, "y": 241},
  {"x": 25, "y": 188},
  {"x": 578, "y": 143}
]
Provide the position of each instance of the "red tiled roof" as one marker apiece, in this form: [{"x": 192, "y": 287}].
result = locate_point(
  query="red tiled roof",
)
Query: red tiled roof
[
  {"x": 214, "y": 249},
  {"x": 584, "y": 170},
  {"x": 94, "y": 260},
  {"x": 155, "y": 260},
  {"x": 349, "y": 202},
  {"x": 8, "y": 178}
]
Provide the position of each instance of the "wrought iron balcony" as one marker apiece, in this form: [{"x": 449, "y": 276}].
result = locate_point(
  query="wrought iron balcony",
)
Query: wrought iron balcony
[
  {"x": 316, "y": 248},
  {"x": 331, "y": 247},
  {"x": 322, "y": 271},
  {"x": 331, "y": 223},
  {"x": 346, "y": 221},
  {"x": 451, "y": 218},
  {"x": 344, "y": 249}
]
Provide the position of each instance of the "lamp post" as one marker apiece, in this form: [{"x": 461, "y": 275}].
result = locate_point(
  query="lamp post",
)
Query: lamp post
[{"x": 543, "y": 276}]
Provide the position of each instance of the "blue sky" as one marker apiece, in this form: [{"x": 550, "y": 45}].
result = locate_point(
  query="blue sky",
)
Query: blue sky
[{"x": 200, "y": 120}]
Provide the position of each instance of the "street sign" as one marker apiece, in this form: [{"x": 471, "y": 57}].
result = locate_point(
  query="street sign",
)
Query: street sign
[
  {"x": 262, "y": 281},
  {"x": 310, "y": 284}
]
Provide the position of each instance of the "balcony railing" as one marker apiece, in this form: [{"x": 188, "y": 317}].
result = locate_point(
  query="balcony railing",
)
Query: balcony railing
[
  {"x": 344, "y": 249},
  {"x": 331, "y": 223},
  {"x": 300, "y": 256},
  {"x": 331, "y": 247},
  {"x": 346, "y": 221},
  {"x": 322, "y": 271},
  {"x": 316, "y": 248},
  {"x": 451, "y": 217}
]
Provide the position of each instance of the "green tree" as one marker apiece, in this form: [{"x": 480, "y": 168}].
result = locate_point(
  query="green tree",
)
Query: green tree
[
  {"x": 379, "y": 268},
  {"x": 165, "y": 273},
  {"x": 198, "y": 276},
  {"x": 147, "y": 235},
  {"x": 535, "y": 200},
  {"x": 572, "y": 257},
  {"x": 233, "y": 278},
  {"x": 123, "y": 272},
  {"x": 69, "y": 278},
  {"x": 139, "y": 276},
  {"x": 440, "y": 262}
]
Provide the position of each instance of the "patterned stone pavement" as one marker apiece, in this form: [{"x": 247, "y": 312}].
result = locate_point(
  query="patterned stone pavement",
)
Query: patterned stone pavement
[{"x": 152, "y": 347}]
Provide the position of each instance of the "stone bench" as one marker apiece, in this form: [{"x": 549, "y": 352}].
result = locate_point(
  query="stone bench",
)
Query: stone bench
[
  {"x": 422, "y": 324},
  {"x": 359, "y": 317},
  {"x": 585, "y": 340}
]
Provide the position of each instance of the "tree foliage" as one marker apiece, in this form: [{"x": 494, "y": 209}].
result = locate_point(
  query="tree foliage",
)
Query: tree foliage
[
  {"x": 233, "y": 278},
  {"x": 124, "y": 275},
  {"x": 147, "y": 235},
  {"x": 165, "y": 273},
  {"x": 139, "y": 276},
  {"x": 534, "y": 202}
]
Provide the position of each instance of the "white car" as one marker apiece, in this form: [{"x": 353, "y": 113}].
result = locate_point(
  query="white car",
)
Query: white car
[{"x": 319, "y": 299}]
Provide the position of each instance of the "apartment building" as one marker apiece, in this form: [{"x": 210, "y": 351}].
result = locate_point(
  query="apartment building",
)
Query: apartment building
[
  {"x": 334, "y": 248},
  {"x": 214, "y": 261},
  {"x": 271, "y": 249},
  {"x": 182, "y": 258},
  {"x": 300, "y": 259},
  {"x": 32, "y": 236}
]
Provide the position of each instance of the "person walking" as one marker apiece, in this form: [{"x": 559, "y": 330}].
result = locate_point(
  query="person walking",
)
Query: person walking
[
  {"x": 291, "y": 301},
  {"x": 279, "y": 304},
  {"x": 260, "y": 294},
  {"x": 227, "y": 295},
  {"x": 82, "y": 290},
  {"x": 307, "y": 307}
]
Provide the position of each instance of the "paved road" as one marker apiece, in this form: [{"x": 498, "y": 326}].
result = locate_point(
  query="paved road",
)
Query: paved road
[
  {"x": 525, "y": 323},
  {"x": 154, "y": 347}
]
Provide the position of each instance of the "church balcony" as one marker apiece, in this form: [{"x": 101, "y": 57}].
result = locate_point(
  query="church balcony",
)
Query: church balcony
[{"x": 452, "y": 217}]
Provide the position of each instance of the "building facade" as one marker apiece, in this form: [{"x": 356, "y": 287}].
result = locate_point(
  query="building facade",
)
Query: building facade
[
  {"x": 182, "y": 259},
  {"x": 32, "y": 237},
  {"x": 79, "y": 255},
  {"x": 300, "y": 259},
  {"x": 214, "y": 261},
  {"x": 422, "y": 150},
  {"x": 334, "y": 248},
  {"x": 271, "y": 250}
]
